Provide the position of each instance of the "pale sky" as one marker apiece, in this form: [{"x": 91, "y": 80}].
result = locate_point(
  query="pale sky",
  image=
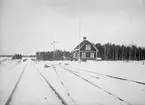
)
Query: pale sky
[{"x": 28, "y": 26}]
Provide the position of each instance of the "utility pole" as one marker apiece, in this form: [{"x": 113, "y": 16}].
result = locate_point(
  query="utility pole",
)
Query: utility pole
[
  {"x": 79, "y": 26},
  {"x": 54, "y": 42}
]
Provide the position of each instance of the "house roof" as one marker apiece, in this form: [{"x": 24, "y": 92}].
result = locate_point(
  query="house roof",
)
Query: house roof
[{"x": 84, "y": 42}]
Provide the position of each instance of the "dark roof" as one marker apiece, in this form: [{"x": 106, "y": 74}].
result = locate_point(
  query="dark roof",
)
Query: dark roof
[{"x": 84, "y": 42}]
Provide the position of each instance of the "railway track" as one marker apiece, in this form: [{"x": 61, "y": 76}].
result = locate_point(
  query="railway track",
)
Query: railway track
[
  {"x": 62, "y": 83},
  {"x": 109, "y": 76},
  {"x": 14, "y": 89},
  {"x": 53, "y": 89},
  {"x": 86, "y": 80},
  {"x": 9, "y": 100}
]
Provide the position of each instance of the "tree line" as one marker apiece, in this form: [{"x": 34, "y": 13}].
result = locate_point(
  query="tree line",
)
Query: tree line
[
  {"x": 53, "y": 55},
  {"x": 17, "y": 56},
  {"x": 120, "y": 52},
  {"x": 106, "y": 51}
]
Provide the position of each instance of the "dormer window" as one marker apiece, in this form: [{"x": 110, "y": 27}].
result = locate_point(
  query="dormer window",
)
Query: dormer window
[{"x": 88, "y": 47}]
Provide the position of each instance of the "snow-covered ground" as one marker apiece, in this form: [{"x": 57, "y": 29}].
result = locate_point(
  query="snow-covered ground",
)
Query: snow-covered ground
[
  {"x": 3, "y": 59},
  {"x": 31, "y": 88},
  {"x": 9, "y": 73},
  {"x": 78, "y": 83}
]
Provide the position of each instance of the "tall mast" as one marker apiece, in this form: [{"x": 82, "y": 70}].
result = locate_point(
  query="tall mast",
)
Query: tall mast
[
  {"x": 79, "y": 38},
  {"x": 54, "y": 42}
]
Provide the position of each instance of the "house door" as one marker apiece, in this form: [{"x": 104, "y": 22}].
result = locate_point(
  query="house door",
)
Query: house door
[
  {"x": 92, "y": 55},
  {"x": 74, "y": 55}
]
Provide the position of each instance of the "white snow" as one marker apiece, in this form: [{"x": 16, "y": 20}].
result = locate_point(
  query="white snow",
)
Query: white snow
[
  {"x": 78, "y": 83},
  {"x": 9, "y": 74},
  {"x": 33, "y": 90},
  {"x": 130, "y": 70}
]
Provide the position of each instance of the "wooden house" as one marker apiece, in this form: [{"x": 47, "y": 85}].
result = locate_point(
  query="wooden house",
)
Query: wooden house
[{"x": 85, "y": 51}]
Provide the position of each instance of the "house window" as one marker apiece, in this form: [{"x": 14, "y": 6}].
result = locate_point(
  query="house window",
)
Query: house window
[
  {"x": 83, "y": 55},
  {"x": 88, "y": 47},
  {"x": 92, "y": 55}
]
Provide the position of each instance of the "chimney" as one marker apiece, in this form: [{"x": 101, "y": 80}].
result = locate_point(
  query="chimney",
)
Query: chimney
[{"x": 84, "y": 38}]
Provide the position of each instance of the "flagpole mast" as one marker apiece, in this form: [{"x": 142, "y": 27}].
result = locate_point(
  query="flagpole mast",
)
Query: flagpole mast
[
  {"x": 53, "y": 49},
  {"x": 79, "y": 39}
]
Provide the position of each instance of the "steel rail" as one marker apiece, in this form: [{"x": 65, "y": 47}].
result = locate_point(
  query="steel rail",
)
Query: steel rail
[
  {"x": 58, "y": 95},
  {"x": 14, "y": 89}
]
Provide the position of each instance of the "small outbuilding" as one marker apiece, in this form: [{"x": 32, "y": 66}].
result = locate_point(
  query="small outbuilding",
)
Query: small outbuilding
[{"x": 85, "y": 51}]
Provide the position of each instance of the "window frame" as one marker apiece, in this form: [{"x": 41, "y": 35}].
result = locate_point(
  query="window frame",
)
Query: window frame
[
  {"x": 83, "y": 55},
  {"x": 88, "y": 47}
]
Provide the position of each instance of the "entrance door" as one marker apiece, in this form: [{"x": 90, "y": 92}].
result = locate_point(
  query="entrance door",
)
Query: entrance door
[{"x": 92, "y": 55}]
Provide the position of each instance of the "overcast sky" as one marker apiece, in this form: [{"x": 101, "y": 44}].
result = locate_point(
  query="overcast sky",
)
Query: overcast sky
[{"x": 28, "y": 26}]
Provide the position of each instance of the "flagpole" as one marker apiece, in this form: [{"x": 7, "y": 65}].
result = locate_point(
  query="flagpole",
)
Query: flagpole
[{"x": 79, "y": 38}]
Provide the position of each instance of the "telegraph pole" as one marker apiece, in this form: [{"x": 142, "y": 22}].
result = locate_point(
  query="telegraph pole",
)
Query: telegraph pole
[
  {"x": 54, "y": 42},
  {"x": 79, "y": 40}
]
